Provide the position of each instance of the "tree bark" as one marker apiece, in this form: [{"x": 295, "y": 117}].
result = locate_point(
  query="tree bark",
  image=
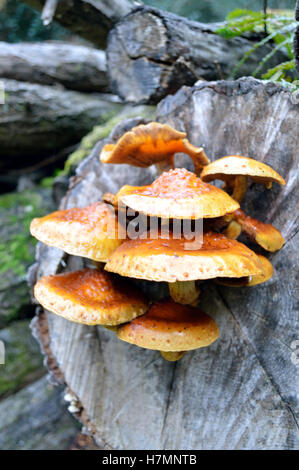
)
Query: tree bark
[
  {"x": 91, "y": 19},
  {"x": 242, "y": 391},
  {"x": 151, "y": 53},
  {"x": 37, "y": 120},
  {"x": 76, "y": 67}
]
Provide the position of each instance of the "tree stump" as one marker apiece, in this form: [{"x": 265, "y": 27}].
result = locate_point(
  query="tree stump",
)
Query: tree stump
[{"x": 241, "y": 392}]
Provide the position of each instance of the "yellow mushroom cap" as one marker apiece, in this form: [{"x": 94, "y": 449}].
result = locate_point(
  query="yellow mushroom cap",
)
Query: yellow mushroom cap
[
  {"x": 168, "y": 259},
  {"x": 253, "y": 280},
  {"x": 177, "y": 194},
  {"x": 148, "y": 144},
  {"x": 91, "y": 297},
  {"x": 235, "y": 165},
  {"x": 90, "y": 232},
  {"x": 168, "y": 326}
]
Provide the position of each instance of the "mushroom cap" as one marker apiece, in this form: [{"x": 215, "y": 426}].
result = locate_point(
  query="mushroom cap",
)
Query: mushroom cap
[
  {"x": 250, "y": 280},
  {"x": 168, "y": 259},
  {"x": 168, "y": 326},
  {"x": 266, "y": 235},
  {"x": 177, "y": 194},
  {"x": 235, "y": 165},
  {"x": 144, "y": 145},
  {"x": 90, "y": 232},
  {"x": 91, "y": 297}
]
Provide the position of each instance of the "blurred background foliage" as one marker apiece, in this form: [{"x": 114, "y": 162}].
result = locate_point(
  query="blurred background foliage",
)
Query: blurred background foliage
[{"x": 18, "y": 22}]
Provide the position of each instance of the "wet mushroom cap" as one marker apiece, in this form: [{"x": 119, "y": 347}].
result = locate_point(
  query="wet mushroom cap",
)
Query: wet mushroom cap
[
  {"x": 91, "y": 297},
  {"x": 250, "y": 280},
  {"x": 177, "y": 194},
  {"x": 236, "y": 165},
  {"x": 168, "y": 326},
  {"x": 172, "y": 260},
  {"x": 90, "y": 232},
  {"x": 144, "y": 145}
]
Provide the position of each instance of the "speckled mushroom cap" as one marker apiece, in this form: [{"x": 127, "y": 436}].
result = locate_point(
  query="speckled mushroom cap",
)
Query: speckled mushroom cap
[
  {"x": 148, "y": 144},
  {"x": 168, "y": 326},
  {"x": 91, "y": 297},
  {"x": 90, "y": 232},
  {"x": 177, "y": 194},
  {"x": 236, "y": 165},
  {"x": 254, "y": 280},
  {"x": 168, "y": 259}
]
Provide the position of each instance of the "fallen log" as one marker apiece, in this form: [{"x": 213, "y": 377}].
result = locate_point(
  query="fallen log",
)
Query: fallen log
[
  {"x": 241, "y": 392},
  {"x": 91, "y": 19},
  {"x": 76, "y": 67},
  {"x": 37, "y": 120},
  {"x": 151, "y": 53}
]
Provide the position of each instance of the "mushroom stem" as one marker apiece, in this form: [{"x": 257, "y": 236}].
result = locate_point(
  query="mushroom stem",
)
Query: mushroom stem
[
  {"x": 98, "y": 264},
  {"x": 165, "y": 165},
  {"x": 172, "y": 355},
  {"x": 240, "y": 186},
  {"x": 184, "y": 292},
  {"x": 233, "y": 230},
  {"x": 198, "y": 156}
]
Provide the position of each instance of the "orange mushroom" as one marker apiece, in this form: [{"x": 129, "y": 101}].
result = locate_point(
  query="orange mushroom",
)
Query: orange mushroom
[
  {"x": 168, "y": 260},
  {"x": 235, "y": 170},
  {"x": 170, "y": 328},
  {"x": 153, "y": 143},
  {"x": 90, "y": 232},
  {"x": 90, "y": 297},
  {"x": 265, "y": 235},
  {"x": 177, "y": 194}
]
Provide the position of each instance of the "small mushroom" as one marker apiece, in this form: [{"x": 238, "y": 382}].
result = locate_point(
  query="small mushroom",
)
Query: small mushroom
[
  {"x": 153, "y": 143},
  {"x": 177, "y": 194},
  {"x": 253, "y": 280},
  {"x": 234, "y": 171},
  {"x": 170, "y": 328},
  {"x": 90, "y": 232},
  {"x": 265, "y": 235},
  {"x": 90, "y": 297},
  {"x": 168, "y": 260}
]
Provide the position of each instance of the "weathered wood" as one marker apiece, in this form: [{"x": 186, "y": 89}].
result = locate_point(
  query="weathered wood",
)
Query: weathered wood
[
  {"x": 76, "y": 67},
  {"x": 241, "y": 392},
  {"x": 151, "y": 53},
  {"x": 38, "y": 119},
  {"x": 91, "y": 19}
]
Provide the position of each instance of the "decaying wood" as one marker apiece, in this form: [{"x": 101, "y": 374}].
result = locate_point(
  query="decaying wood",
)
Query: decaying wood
[
  {"x": 151, "y": 53},
  {"x": 76, "y": 67},
  {"x": 38, "y": 119},
  {"x": 91, "y": 19},
  {"x": 242, "y": 391}
]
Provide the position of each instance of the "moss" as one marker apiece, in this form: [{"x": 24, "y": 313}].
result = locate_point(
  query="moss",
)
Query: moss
[
  {"x": 17, "y": 248},
  {"x": 23, "y": 360}
]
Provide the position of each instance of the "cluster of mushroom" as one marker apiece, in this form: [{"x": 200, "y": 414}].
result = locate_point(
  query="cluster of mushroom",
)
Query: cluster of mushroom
[{"x": 97, "y": 296}]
